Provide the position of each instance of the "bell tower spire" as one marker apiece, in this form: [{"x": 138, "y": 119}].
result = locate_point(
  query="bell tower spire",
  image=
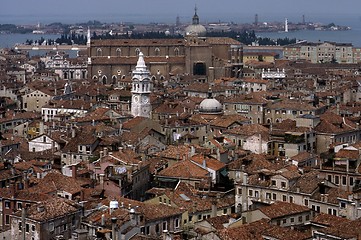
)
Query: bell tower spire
[{"x": 141, "y": 89}]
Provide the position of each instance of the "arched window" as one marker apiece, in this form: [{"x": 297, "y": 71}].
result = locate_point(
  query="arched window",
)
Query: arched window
[
  {"x": 95, "y": 77},
  {"x": 99, "y": 52},
  {"x": 104, "y": 79},
  {"x": 157, "y": 52},
  {"x": 114, "y": 78},
  {"x": 137, "y": 51},
  {"x": 118, "y": 52},
  {"x": 176, "y": 52}
]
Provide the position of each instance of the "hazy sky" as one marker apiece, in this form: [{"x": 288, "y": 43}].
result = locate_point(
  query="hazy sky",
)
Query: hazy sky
[{"x": 28, "y": 11}]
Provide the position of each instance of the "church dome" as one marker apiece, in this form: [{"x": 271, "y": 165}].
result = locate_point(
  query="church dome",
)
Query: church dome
[
  {"x": 198, "y": 30},
  {"x": 210, "y": 106},
  {"x": 195, "y": 28}
]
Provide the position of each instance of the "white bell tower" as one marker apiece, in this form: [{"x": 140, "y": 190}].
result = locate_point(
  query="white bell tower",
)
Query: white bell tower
[{"x": 141, "y": 89}]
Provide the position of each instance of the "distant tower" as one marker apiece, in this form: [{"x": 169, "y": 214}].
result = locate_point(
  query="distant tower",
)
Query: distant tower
[
  {"x": 88, "y": 45},
  {"x": 286, "y": 25},
  {"x": 88, "y": 38},
  {"x": 303, "y": 19},
  {"x": 256, "y": 19},
  {"x": 141, "y": 89},
  {"x": 177, "y": 21}
]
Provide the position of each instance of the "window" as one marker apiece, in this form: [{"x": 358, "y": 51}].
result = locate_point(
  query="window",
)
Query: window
[
  {"x": 329, "y": 178},
  {"x": 239, "y": 191},
  {"x": 274, "y": 196},
  {"x": 351, "y": 181},
  {"x": 157, "y": 230},
  {"x": 273, "y": 183},
  {"x": 7, "y": 204},
  {"x": 176, "y": 223},
  {"x": 118, "y": 52},
  {"x": 307, "y": 217},
  {"x": 344, "y": 182},
  {"x": 284, "y": 220},
  {"x": 284, "y": 198},
  {"x": 299, "y": 218},
  {"x": 256, "y": 194},
  {"x": 164, "y": 225},
  {"x": 342, "y": 204},
  {"x": 7, "y": 219},
  {"x": 20, "y": 206},
  {"x": 306, "y": 202},
  {"x": 51, "y": 226},
  {"x": 199, "y": 216},
  {"x": 318, "y": 209},
  {"x": 292, "y": 220},
  {"x": 329, "y": 211},
  {"x": 268, "y": 196},
  {"x": 27, "y": 228},
  {"x": 337, "y": 180},
  {"x": 250, "y": 192},
  {"x": 20, "y": 226},
  {"x": 99, "y": 52},
  {"x": 157, "y": 52},
  {"x": 225, "y": 211},
  {"x": 137, "y": 51},
  {"x": 283, "y": 184},
  {"x": 291, "y": 199}
]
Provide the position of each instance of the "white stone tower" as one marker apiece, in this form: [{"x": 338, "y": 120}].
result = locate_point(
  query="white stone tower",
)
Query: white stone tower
[
  {"x": 286, "y": 25},
  {"x": 141, "y": 89},
  {"x": 88, "y": 45}
]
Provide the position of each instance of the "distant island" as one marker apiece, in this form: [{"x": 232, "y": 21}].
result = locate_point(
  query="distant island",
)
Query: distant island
[{"x": 77, "y": 33}]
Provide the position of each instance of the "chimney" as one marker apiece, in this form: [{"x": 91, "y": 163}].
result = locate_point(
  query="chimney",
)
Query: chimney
[
  {"x": 245, "y": 178},
  {"x": 166, "y": 235},
  {"x": 101, "y": 180},
  {"x": 194, "y": 207},
  {"x": 73, "y": 133},
  {"x": 133, "y": 217},
  {"x": 13, "y": 190},
  {"x": 41, "y": 127},
  {"x": 114, "y": 221},
  {"x": 105, "y": 150},
  {"x": 73, "y": 171},
  {"x": 193, "y": 151},
  {"x": 23, "y": 217},
  {"x": 103, "y": 220},
  {"x": 26, "y": 180},
  {"x": 214, "y": 208}
]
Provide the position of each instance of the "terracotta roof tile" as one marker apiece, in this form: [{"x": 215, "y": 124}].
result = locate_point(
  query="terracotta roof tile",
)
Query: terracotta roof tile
[
  {"x": 281, "y": 209},
  {"x": 185, "y": 169}
]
